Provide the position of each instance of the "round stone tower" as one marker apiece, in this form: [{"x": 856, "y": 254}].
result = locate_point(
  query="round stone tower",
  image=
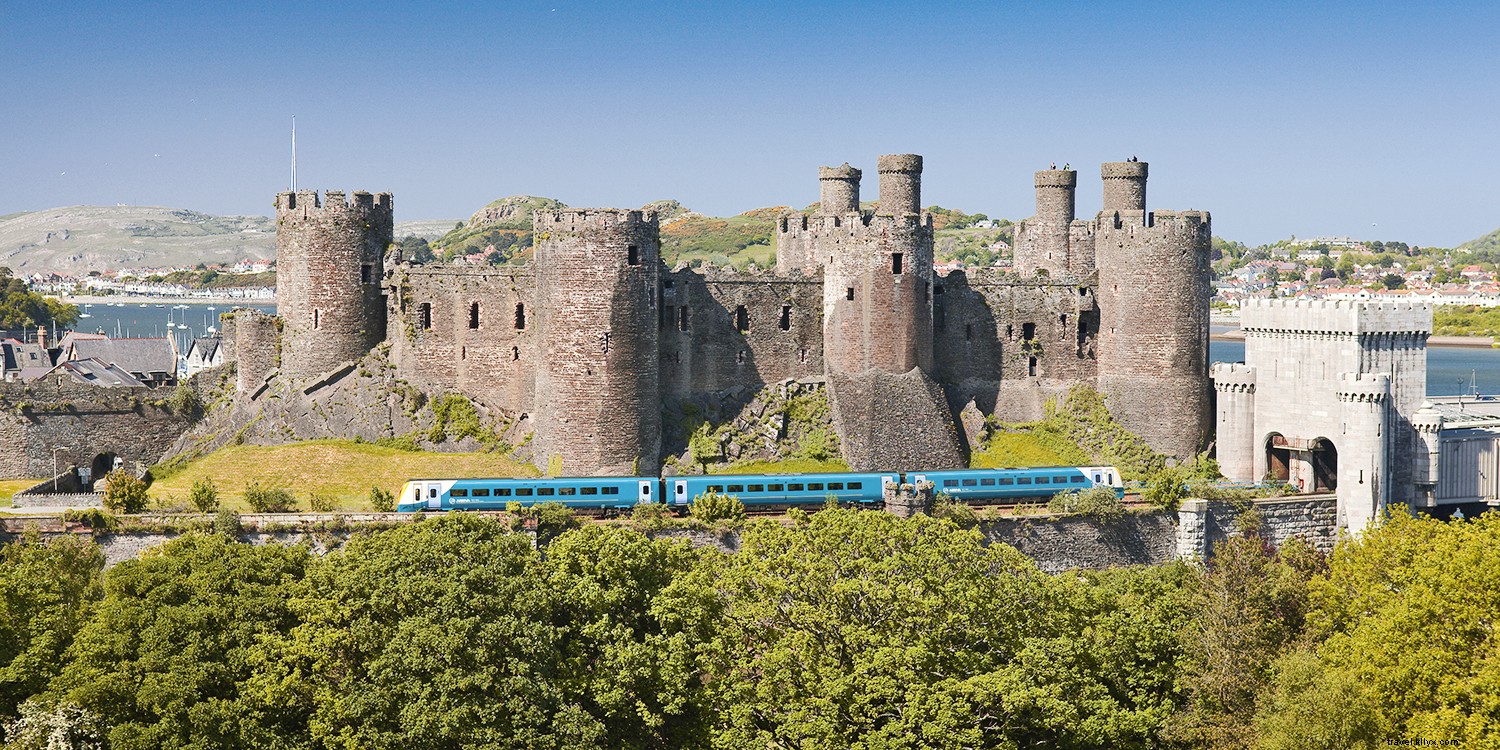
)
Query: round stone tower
[
  {"x": 329, "y": 264},
  {"x": 1042, "y": 241},
  {"x": 877, "y": 290},
  {"x": 900, "y": 184},
  {"x": 255, "y": 340},
  {"x": 1235, "y": 436},
  {"x": 1153, "y": 327},
  {"x": 1124, "y": 185},
  {"x": 839, "y": 189},
  {"x": 598, "y": 403}
]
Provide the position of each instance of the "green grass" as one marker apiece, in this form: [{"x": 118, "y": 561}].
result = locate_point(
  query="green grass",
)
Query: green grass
[
  {"x": 784, "y": 466},
  {"x": 1014, "y": 449},
  {"x": 9, "y": 487},
  {"x": 342, "y": 469}
]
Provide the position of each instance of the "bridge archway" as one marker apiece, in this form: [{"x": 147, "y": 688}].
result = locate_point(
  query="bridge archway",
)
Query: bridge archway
[
  {"x": 1278, "y": 458},
  {"x": 1325, "y": 464}
]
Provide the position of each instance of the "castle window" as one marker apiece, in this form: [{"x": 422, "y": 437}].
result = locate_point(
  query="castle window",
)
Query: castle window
[
  {"x": 1083, "y": 291},
  {"x": 515, "y": 353},
  {"x": 425, "y": 312},
  {"x": 317, "y": 315},
  {"x": 1031, "y": 367},
  {"x": 366, "y": 273},
  {"x": 474, "y": 315},
  {"x": 633, "y": 255},
  {"x": 520, "y": 316},
  {"x": 968, "y": 332},
  {"x": 802, "y": 355},
  {"x": 741, "y": 319},
  {"x": 463, "y": 352},
  {"x": 896, "y": 263},
  {"x": 1028, "y": 331},
  {"x": 1063, "y": 321},
  {"x": 1010, "y": 331},
  {"x": 739, "y": 357},
  {"x": 837, "y": 221},
  {"x": 786, "y": 317},
  {"x": 849, "y": 293},
  {"x": 682, "y": 318}
]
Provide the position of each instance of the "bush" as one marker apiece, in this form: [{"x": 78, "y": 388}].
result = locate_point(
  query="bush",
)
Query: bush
[
  {"x": 320, "y": 502},
  {"x": 93, "y": 518},
  {"x": 204, "y": 496},
  {"x": 227, "y": 523},
  {"x": 263, "y": 499},
  {"x": 945, "y": 508},
  {"x": 710, "y": 507},
  {"x": 124, "y": 493},
  {"x": 650, "y": 517},
  {"x": 1165, "y": 488},
  {"x": 381, "y": 500},
  {"x": 185, "y": 402},
  {"x": 1098, "y": 502},
  {"x": 548, "y": 519}
]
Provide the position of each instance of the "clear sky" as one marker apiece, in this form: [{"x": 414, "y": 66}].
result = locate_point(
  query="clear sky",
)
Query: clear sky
[{"x": 1281, "y": 118}]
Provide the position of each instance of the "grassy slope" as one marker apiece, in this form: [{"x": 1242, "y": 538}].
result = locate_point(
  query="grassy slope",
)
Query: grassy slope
[
  {"x": 1015, "y": 450},
  {"x": 10, "y": 487},
  {"x": 1489, "y": 242},
  {"x": 340, "y": 468},
  {"x": 786, "y": 466}
]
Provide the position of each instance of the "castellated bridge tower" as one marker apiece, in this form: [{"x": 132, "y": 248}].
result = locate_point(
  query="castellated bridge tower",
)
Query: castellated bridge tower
[
  {"x": 1153, "y": 292},
  {"x": 598, "y": 401},
  {"x": 329, "y": 256}
]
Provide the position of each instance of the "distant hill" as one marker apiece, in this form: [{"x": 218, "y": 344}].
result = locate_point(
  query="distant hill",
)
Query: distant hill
[
  {"x": 1489, "y": 243},
  {"x": 79, "y": 239}
]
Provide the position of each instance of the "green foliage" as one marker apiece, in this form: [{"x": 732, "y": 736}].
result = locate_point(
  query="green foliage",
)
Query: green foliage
[
  {"x": 945, "y": 508},
  {"x": 1166, "y": 487},
  {"x": 124, "y": 493},
  {"x": 186, "y": 403},
  {"x": 266, "y": 499},
  {"x": 454, "y": 416},
  {"x": 704, "y": 445},
  {"x": 547, "y": 519},
  {"x": 1096, "y": 502},
  {"x": 722, "y": 241},
  {"x": 64, "y": 727},
  {"x": 651, "y": 517},
  {"x": 716, "y": 507},
  {"x": 381, "y": 500},
  {"x": 1450, "y": 320},
  {"x": 45, "y": 591},
  {"x": 405, "y": 443},
  {"x": 204, "y": 496},
  {"x": 321, "y": 502},
  {"x": 22, "y": 308},
  {"x": 227, "y": 524},
  {"x": 818, "y": 444},
  {"x": 1076, "y": 430},
  {"x": 95, "y": 519}
]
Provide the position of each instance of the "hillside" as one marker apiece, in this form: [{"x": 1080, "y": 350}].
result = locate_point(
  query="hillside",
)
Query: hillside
[
  {"x": 78, "y": 239},
  {"x": 1489, "y": 243}
]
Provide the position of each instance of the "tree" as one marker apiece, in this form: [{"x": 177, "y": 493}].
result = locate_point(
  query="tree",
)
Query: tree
[
  {"x": 265, "y": 499},
  {"x": 1393, "y": 281},
  {"x": 45, "y": 591},
  {"x": 204, "y": 496},
  {"x": 124, "y": 493},
  {"x": 381, "y": 500},
  {"x": 713, "y": 507}
]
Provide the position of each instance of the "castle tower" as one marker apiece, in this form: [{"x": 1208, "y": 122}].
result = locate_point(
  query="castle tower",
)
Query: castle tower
[
  {"x": 598, "y": 403},
  {"x": 1153, "y": 325},
  {"x": 1042, "y": 241},
  {"x": 900, "y": 184},
  {"x": 838, "y": 189},
  {"x": 1364, "y": 483},
  {"x": 251, "y": 338},
  {"x": 329, "y": 265},
  {"x": 1124, "y": 185},
  {"x": 1235, "y": 425}
]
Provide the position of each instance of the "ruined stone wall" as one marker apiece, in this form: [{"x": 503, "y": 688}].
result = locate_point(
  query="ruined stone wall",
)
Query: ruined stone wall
[
  {"x": 254, "y": 345},
  {"x": 85, "y": 421},
  {"x": 1153, "y": 342},
  {"x": 1073, "y": 542},
  {"x": 1008, "y": 344},
  {"x": 469, "y": 329},
  {"x": 703, "y": 346},
  {"x": 598, "y": 401},
  {"x": 329, "y": 268},
  {"x": 877, "y": 297}
]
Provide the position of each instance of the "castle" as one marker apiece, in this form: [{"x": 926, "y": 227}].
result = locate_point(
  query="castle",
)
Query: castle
[{"x": 587, "y": 345}]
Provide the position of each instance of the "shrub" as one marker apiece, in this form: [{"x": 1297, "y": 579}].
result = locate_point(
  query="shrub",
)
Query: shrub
[
  {"x": 185, "y": 402},
  {"x": 204, "y": 496},
  {"x": 945, "y": 508},
  {"x": 124, "y": 493},
  {"x": 93, "y": 518},
  {"x": 817, "y": 445},
  {"x": 381, "y": 500},
  {"x": 1099, "y": 502},
  {"x": 264, "y": 499},
  {"x": 227, "y": 523},
  {"x": 710, "y": 507},
  {"x": 650, "y": 517},
  {"x": 320, "y": 502},
  {"x": 549, "y": 519},
  {"x": 1165, "y": 488}
]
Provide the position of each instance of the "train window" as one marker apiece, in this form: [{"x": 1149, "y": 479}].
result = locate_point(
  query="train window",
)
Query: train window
[
  {"x": 756, "y": 488},
  {"x": 432, "y": 492},
  {"x": 716, "y": 488},
  {"x": 1042, "y": 480},
  {"x": 1006, "y": 481},
  {"x": 835, "y": 485},
  {"x": 775, "y": 488},
  {"x": 950, "y": 482},
  {"x": 502, "y": 492},
  {"x": 1059, "y": 480},
  {"x": 588, "y": 491},
  {"x": 971, "y": 483},
  {"x": 567, "y": 490},
  {"x": 856, "y": 485},
  {"x": 456, "y": 492},
  {"x": 815, "y": 487},
  {"x": 481, "y": 492},
  {"x": 546, "y": 491},
  {"x": 611, "y": 490},
  {"x": 1076, "y": 480},
  {"x": 736, "y": 488},
  {"x": 794, "y": 488},
  {"x": 1023, "y": 480},
  {"x": 987, "y": 482},
  {"x": 523, "y": 492}
]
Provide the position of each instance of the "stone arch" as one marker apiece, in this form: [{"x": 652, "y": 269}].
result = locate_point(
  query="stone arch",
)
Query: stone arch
[
  {"x": 102, "y": 465},
  {"x": 1278, "y": 458},
  {"x": 1325, "y": 465}
]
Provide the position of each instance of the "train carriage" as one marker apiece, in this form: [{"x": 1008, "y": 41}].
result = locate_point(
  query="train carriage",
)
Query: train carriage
[
  {"x": 1002, "y": 485},
  {"x": 583, "y": 493},
  {"x": 782, "y": 489}
]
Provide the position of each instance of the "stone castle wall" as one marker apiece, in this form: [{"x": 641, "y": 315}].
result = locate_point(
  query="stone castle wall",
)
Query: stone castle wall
[{"x": 83, "y": 422}]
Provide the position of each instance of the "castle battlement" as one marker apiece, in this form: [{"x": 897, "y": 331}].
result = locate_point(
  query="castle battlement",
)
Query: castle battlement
[
  {"x": 1350, "y": 317},
  {"x": 1233, "y": 377},
  {"x": 1366, "y": 387},
  {"x": 307, "y": 202},
  {"x": 586, "y": 219}
]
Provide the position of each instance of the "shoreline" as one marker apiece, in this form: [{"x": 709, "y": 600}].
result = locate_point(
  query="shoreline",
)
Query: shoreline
[
  {"x": 152, "y": 301},
  {"x": 1455, "y": 342}
]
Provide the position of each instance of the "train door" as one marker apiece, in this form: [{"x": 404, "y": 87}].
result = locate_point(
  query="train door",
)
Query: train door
[
  {"x": 434, "y": 496},
  {"x": 645, "y": 496},
  {"x": 679, "y": 492},
  {"x": 1098, "y": 477}
]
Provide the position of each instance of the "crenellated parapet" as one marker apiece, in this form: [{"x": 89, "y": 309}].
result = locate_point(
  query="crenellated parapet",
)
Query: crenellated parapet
[
  {"x": 1363, "y": 387},
  {"x": 1233, "y": 377}
]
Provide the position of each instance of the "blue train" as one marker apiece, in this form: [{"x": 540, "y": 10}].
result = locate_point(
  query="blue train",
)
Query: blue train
[{"x": 754, "y": 490}]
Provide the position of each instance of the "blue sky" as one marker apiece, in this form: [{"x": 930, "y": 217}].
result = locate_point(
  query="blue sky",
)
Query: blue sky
[{"x": 1280, "y": 118}]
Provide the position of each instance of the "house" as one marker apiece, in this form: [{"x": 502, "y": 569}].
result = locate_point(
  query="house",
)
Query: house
[
  {"x": 203, "y": 353},
  {"x": 153, "y": 361},
  {"x": 23, "y": 361},
  {"x": 96, "y": 372}
]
